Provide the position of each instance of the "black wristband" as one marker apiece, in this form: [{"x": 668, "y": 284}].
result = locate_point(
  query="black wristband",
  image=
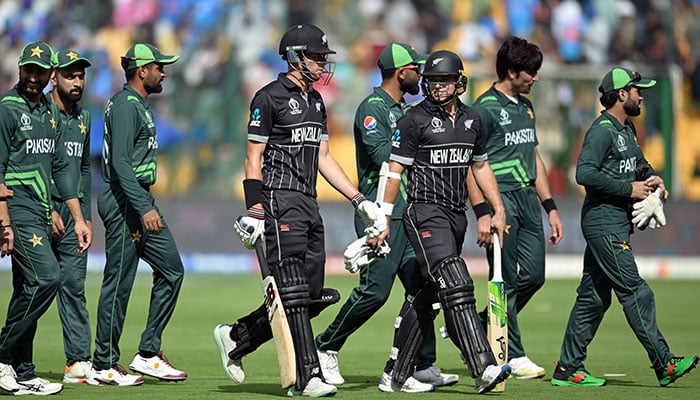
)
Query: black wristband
[
  {"x": 549, "y": 205},
  {"x": 481, "y": 209},
  {"x": 252, "y": 188}
]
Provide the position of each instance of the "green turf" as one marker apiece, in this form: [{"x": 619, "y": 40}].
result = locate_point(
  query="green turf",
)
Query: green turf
[{"x": 208, "y": 300}]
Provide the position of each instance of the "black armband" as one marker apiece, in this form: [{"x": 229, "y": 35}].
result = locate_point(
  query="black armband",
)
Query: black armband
[
  {"x": 252, "y": 189},
  {"x": 549, "y": 205},
  {"x": 481, "y": 209}
]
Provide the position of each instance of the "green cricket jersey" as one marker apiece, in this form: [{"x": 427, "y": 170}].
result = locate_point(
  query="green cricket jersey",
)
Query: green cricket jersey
[
  {"x": 509, "y": 127},
  {"x": 375, "y": 122},
  {"x": 76, "y": 145},
  {"x": 606, "y": 168},
  {"x": 130, "y": 147},
  {"x": 29, "y": 136}
]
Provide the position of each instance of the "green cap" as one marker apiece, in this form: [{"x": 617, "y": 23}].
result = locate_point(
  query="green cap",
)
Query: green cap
[
  {"x": 142, "y": 54},
  {"x": 619, "y": 77},
  {"x": 38, "y": 53},
  {"x": 65, "y": 58},
  {"x": 397, "y": 55}
]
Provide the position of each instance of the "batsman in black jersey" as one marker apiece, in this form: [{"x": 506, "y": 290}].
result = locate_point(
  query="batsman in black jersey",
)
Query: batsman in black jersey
[
  {"x": 287, "y": 147},
  {"x": 438, "y": 141}
]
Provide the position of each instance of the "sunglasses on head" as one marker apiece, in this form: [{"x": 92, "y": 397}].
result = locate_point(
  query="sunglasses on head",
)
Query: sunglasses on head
[
  {"x": 125, "y": 60},
  {"x": 636, "y": 77},
  {"x": 412, "y": 67}
]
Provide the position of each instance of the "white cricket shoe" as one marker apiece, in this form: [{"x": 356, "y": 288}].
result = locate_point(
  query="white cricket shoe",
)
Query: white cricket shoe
[
  {"x": 315, "y": 388},
  {"x": 524, "y": 368},
  {"x": 157, "y": 366},
  {"x": 233, "y": 368},
  {"x": 492, "y": 376},
  {"x": 38, "y": 386},
  {"x": 117, "y": 376},
  {"x": 80, "y": 372},
  {"x": 434, "y": 376},
  {"x": 412, "y": 385},
  {"x": 8, "y": 378},
  {"x": 329, "y": 367}
]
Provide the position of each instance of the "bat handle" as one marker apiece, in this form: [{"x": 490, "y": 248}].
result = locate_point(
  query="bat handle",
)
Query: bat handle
[
  {"x": 497, "y": 274},
  {"x": 262, "y": 259}
]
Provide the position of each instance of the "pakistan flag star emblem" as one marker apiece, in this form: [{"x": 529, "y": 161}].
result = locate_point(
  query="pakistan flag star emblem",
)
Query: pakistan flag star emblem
[
  {"x": 136, "y": 237},
  {"x": 36, "y": 240}
]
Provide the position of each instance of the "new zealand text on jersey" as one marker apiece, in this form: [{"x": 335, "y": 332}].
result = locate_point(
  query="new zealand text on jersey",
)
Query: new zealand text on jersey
[
  {"x": 306, "y": 134},
  {"x": 40, "y": 146},
  {"x": 450, "y": 156},
  {"x": 526, "y": 135}
]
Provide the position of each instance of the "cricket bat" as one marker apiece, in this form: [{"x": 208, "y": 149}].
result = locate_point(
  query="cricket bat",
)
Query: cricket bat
[
  {"x": 497, "y": 317},
  {"x": 281, "y": 334}
]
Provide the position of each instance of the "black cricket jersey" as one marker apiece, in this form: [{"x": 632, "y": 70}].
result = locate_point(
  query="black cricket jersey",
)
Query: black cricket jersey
[
  {"x": 293, "y": 124},
  {"x": 438, "y": 150}
]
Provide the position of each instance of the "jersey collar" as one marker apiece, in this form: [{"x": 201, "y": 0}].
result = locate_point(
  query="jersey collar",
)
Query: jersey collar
[
  {"x": 31, "y": 104},
  {"x": 132, "y": 90},
  {"x": 379, "y": 92},
  {"x": 502, "y": 98}
]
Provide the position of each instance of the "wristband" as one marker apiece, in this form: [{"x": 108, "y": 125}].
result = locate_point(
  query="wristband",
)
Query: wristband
[
  {"x": 387, "y": 208},
  {"x": 481, "y": 209},
  {"x": 357, "y": 199},
  {"x": 549, "y": 205},
  {"x": 256, "y": 212},
  {"x": 252, "y": 189}
]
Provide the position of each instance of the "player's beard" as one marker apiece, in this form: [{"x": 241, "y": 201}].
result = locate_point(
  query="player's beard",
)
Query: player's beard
[
  {"x": 156, "y": 87},
  {"x": 409, "y": 86},
  {"x": 73, "y": 95},
  {"x": 632, "y": 107}
]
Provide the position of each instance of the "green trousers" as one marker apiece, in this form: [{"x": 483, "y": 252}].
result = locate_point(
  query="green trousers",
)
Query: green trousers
[
  {"x": 609, "y": 266},
  {"x": 376, "y": 281},
  {"x": 71, "y": 302},
  {"x": 126, "y": 241},
  {"x": 35, "y": 281}
]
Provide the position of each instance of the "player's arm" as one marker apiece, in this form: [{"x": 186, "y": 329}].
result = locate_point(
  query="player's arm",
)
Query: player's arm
[
  {"x": 377, "y": 141},
  {"x": 86, "y": 176},
  {"x": 545, "y": 195},
  {"x": 391, "y": 192},
  {"x": 481, "y": 211},
  {"x": 7, "y": 127},
  {"x": 486, "y": 181}
]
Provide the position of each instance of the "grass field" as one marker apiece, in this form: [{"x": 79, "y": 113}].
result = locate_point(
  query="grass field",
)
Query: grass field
[{"x": 208, "y": 300}]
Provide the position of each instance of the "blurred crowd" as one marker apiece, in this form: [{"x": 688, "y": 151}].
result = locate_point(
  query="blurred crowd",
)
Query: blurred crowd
[{"x": 228, "y": 50}]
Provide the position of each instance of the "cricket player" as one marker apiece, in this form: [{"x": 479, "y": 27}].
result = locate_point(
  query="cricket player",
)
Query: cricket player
[
  {"x": 31, "y": 138},
  {"x": 134, "y": 226},
  {"x": 609, "y": 169},
  {"x": 508, "y": 123},
  {"x": 287, "y": 148},
  {"x": 68, "y": 83},
  {"x": 375, "y": 121},
  {"x": 438, "y": 140}
]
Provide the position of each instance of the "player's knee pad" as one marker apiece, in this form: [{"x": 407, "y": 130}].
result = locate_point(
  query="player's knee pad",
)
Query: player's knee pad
[
  {"x": 456, "y": 293},
  {"x": 292, "y": 284},
  {"x": 329, "y": 296},
  {"x": 414, "y": 322}
]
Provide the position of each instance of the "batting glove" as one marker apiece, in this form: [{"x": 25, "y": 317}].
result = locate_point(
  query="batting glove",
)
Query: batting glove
[
  {"x": 371, "y": 214},
  {"x": 251, "y": 227},
  {"x": 649, "y": 208},
  {"x": 359, "y": 254}
]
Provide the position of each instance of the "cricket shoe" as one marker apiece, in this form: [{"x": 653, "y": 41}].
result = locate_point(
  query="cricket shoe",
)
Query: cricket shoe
[
  {"x": 524, "y": 368},
  {"x": 80, "y": 372},
  {"x": 38, "y": 386},
  {"x": 329, "y": 366},
  {"x": 412, "y": 385},
  {"x": 433, "y": 376},
  {"x": 117, "y": 376},
  {"x": 157, "y": 366},
  {"x": 233, "y": 368},
  {"x": 492, "y": 376},
  {"x": 8, "y": 378},
  {"x": 675, "y": 368},
  {"x": 315, "y": 388},
  {"x": 579, "y": 377}
]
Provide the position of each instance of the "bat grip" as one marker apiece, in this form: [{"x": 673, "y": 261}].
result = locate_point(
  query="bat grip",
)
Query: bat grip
[{"x": 262, "y": 260}]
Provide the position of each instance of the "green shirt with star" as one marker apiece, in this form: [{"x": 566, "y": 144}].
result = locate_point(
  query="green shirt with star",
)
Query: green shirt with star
[
  {"x": 606, "y": 169},
  {"x": 509, "y": 127},
  {"x": 130, "y": 147},
  {"x": 76, "y": 145},
  {"x": 31, "y": 155},
  {"x": 375, "y": 122}
]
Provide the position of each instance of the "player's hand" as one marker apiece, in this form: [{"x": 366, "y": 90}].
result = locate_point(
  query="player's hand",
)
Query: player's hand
[
  {"x": 251, "y": 227},
  {"x": 373, "y": 217},
  {"x": 650, "y": 207},
  {"x": 5, "y": 193},
  {"x": 483, "y": 231},
  {"x": 58, "y": 228},
  {"x": 360, "y": 254},
  {"x": 498, "y": 223},
  {"x": 7, "y": 240},
  {"x": 152, "y": 222},
  {"x": 84, "y": 236},
  {"x": 557, "y": 227}
]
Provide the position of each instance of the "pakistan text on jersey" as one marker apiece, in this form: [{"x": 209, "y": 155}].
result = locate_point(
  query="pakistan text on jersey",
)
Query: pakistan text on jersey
[
  {"x": 628, "y": 165},
  {"x": 526, "y": 135},
  {"x": 306, "y": 134},
  {"x": 450, "y": 156},
  {"x": 152, "y": 142},
  {"x": 74, "y": 149},
  {"x": 40, "y": 146}
]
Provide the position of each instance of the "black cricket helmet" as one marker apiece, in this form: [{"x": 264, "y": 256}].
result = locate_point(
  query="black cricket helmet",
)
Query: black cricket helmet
[
  {"x": 443, "y": 63},
  {"x": 303, "y": 39}
]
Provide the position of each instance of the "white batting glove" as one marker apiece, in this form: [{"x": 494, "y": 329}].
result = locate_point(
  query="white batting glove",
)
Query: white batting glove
[
  {"x": 249, "y": 230},
  {"x": 649, "y": 208},
  {"x": 359, "y": 254},
  {"x": 373, "y": 217},
  {"x": 659, "y": 218}
]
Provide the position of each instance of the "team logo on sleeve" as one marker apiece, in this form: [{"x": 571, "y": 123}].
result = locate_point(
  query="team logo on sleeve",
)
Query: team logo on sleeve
[
  {"x": 255, "y": 118},
  {"x": 396, "y": 138},
  {"x": 369, "y": 122}
]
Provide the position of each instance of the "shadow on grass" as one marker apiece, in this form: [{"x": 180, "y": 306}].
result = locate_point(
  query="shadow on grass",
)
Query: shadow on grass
[{"x": 254, "y": 388}]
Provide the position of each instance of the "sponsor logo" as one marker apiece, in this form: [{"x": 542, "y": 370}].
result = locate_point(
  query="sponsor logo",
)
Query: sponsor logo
[
  {"x": 255, "y": 118},
  {"x": 505, "y": 118},
  {"x": 621, "y": 145},
  {"x": 369, "y": 122},
  {"x": 426, "y": 234},
  {"x": 284, "y": 228},
  {"x": 396, "y": 138},
  {"x": 436, "y": 123},
  {"x": 294, "y": 107},
  {"x": 25, "y": 122}
]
